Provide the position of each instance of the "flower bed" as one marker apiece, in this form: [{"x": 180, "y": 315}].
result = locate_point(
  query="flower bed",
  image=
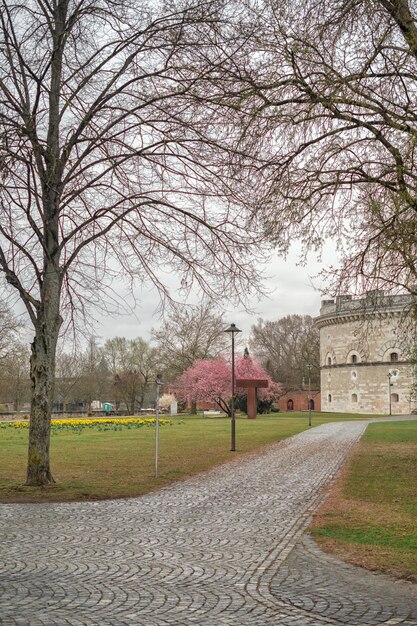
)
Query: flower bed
[{"x": 100, "y": 423}]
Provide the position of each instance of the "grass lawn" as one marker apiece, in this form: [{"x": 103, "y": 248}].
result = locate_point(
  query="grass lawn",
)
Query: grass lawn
[
  {"x": 370, "y": 518},
  {"x": 119, "y": 462}
]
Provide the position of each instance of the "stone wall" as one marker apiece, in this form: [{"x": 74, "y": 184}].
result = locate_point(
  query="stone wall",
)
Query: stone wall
[{"x": 365, "y": 349}]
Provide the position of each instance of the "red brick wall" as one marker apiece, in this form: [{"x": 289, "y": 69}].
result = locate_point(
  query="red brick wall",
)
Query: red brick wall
[
  {"x": 299, "y": 401},
  {"x": 207, "y": 406}
]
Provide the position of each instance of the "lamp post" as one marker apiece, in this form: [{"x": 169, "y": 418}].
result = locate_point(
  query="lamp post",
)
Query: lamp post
[
  {"x": 233, "y": 329},
  {"x": 158, "y": 383},
  {"x": 389, "y": 391},
  {"x": 309, "y": 367}
]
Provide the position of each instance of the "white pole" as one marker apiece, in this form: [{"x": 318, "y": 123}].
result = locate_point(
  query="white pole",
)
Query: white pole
[
  {"x": 309, "y": 393},
  {"x": 157, "y": 428}
]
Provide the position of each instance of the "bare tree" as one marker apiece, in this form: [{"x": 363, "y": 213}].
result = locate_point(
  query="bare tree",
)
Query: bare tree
[
  {"x": 285, "y": 348},
  {"x": 82, "y": 376},
  {"x": 109, "y": 166},
  {"x": 133, "y": 365},
  {"x": 93, "y": 373},
  {"x": 69, "y": 375},
  {"x": 187, "y": 334},
  {"x": 13, "y": 354},
  {"x": 10, "y": 328},
  {"x": 327, "y": 91},
  {"x": 14, "y": 379}
]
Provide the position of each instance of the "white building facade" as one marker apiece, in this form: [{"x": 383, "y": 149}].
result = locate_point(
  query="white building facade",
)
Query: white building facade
[{"x": 365, "y": 354}]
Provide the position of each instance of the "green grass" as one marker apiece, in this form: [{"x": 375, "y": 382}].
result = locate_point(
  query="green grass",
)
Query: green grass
[
  {"x": 370, "y": 536},
  {"x": 371, "y": 518},
  {"x": 96, "y": 464}
]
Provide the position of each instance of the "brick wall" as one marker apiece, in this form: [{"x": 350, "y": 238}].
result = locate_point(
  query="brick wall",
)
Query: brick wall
[{"x": 299, "y": 401}]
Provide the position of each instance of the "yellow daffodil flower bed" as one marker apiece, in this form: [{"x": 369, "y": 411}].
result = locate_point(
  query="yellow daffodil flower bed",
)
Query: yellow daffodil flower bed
[{"x": 101, "y": 423}]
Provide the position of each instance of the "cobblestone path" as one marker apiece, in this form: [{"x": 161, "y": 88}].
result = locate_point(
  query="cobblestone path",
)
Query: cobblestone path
[{"x": 224, "y": 548}]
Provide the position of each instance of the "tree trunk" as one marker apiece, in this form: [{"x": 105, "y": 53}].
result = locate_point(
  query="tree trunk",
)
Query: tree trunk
[
  {"x": 42, "y": 374},
  {"x": 47, "y": 319},
  {"x": 223, "y": 406},
  {"x": 142, "y": 393},
  {"x": 193, "y": 409}
]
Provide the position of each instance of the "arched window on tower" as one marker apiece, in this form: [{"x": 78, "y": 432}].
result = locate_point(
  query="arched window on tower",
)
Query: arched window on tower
[
  {"x": 354, "y": 358},
  {"x": 329, "y": 397},
  {"x": 329, "y": 360},
  {"x": 393, "y": 357},
  {"x": 354, "y": 397}
]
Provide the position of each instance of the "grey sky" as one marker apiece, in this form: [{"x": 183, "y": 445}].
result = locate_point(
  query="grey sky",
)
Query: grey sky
[{"x": 292, "y": 289}]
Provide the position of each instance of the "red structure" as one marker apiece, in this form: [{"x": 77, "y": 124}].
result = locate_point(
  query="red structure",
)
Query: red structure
[
  {"x": 298, "y": 401},
  {"x": 252, "y": 384}
]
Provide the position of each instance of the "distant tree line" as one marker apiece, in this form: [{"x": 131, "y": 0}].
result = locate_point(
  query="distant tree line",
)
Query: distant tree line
[{"x": 123, "y": 371}]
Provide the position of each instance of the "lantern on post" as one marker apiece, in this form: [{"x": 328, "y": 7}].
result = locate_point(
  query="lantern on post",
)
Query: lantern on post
[{"x": 233, "y": 330}]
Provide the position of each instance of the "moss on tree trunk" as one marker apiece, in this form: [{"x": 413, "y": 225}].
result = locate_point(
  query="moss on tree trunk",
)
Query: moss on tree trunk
[{"x": 42, "y": 374}]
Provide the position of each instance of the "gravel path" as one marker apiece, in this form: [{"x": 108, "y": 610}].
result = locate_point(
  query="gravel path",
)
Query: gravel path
[{"x": 225, "y": 547}]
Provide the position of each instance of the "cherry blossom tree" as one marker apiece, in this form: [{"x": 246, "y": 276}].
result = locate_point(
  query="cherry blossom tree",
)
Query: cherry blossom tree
[
  {"x": 247, "y": 368},
  {"x": 209, "y": 380}
]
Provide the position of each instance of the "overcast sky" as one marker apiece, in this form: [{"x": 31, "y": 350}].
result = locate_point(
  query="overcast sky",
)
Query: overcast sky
[{"x": 292, "y": 289}]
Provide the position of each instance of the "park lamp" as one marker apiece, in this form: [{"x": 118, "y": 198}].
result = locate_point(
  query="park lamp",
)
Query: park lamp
[{"x": 233, "y": 329}]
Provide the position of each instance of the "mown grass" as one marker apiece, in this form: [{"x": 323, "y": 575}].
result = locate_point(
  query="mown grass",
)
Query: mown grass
[
  {"x": 370, "y": 519},
  {"x": 113, "y": 463}
]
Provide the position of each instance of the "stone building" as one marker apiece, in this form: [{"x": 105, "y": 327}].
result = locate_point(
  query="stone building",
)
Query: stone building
[{"x": 365, "y": 350}]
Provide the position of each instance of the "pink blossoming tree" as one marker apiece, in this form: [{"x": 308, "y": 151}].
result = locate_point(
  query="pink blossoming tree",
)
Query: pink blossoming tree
[
  {"x": 209, "y": 380},
  {"x": 247, "y": 368}
]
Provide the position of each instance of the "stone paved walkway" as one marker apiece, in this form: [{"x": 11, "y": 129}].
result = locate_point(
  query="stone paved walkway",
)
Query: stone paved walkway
[{"x": 224, "y": 548}]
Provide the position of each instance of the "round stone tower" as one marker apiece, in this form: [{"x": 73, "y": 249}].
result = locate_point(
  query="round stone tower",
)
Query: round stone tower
[{"x": 365, "y": 349}]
